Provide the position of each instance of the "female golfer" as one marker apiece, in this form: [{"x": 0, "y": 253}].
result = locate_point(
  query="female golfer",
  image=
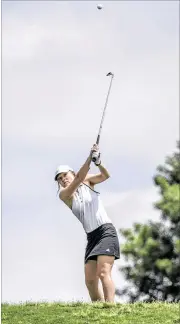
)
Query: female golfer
[{"x": 77, "y": 192}]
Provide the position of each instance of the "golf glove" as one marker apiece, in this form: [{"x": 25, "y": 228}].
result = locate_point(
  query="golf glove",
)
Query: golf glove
[{"x": 96, "y": 158}]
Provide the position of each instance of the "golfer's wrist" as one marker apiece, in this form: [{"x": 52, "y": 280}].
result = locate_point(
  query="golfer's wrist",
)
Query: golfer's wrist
[
  {"x": 98, "y": 163},
  {"x": 89, "y": 159}
]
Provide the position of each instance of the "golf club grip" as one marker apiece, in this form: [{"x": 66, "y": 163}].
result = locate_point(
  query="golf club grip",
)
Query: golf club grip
[
  {"x": 94, "y": 155},
  {"x": 98, "y": 139}
]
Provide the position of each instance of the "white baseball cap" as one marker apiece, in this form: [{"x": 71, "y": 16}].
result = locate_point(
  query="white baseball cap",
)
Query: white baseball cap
[{"x": 62, "y": 168}]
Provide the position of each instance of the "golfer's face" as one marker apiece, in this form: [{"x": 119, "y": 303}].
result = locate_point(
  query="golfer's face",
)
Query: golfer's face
[{"x": 65, "y": 178}]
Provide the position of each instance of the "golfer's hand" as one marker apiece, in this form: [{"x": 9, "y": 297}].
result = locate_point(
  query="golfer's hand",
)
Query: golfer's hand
[
  {"x": 95, "y": 148},
  {"x": 95, "y": 151}
]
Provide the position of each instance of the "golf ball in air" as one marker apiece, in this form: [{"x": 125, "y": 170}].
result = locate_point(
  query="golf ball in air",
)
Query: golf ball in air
[{"x": 99, "y": 6}]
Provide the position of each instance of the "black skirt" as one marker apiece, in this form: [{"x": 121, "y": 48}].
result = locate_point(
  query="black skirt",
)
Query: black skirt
[{"x": 102, "y": 241}]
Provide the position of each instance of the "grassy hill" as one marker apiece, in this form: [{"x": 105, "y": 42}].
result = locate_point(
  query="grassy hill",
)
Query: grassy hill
[{"x": 81, "y": 313}]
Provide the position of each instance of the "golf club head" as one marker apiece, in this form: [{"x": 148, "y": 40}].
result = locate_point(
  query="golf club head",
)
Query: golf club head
[{"x": 110, "y": 73}]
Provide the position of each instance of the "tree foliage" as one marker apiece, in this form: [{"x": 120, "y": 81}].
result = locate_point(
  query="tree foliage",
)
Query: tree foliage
[{"x": 152, "y": 250}]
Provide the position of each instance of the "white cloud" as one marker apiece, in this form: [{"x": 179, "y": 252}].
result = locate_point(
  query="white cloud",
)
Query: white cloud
[{"x": 133, "y": 206}]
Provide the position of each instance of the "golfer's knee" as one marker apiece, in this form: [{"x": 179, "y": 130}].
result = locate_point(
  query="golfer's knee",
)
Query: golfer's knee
[
  {"x": 90, "y": 282},
  {"x": 103, "y": 274}
]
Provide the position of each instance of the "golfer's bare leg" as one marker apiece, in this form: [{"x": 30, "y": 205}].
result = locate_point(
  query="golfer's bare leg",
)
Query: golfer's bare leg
[
  {"x": 92, "y": 281},
  {"x": 104, "y": 267}
]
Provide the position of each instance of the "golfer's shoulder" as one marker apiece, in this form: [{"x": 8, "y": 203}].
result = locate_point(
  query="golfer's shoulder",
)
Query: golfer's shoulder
[
  {"x": 88, "y": 177},
  {"x": 88, "y": 182},
  {"x": 63, "y": 197},
  {"x": 63, "y": 194}
]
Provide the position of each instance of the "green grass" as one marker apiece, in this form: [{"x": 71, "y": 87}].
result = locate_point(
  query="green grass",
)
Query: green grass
[{"x": 96, "y": 313}]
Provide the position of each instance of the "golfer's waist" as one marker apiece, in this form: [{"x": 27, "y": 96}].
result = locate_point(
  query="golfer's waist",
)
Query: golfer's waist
[{"x": 95, "y": 230}]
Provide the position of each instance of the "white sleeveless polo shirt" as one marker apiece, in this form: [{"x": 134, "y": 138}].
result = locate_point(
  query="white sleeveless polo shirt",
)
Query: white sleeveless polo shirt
[{"x": 88, "y": 208}]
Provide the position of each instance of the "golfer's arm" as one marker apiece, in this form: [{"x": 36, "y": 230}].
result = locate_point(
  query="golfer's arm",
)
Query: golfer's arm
[
  {"x": 104, "y": 171},
  {"x": 79, "y": 177},
  {"x": 98, "y": 178}
]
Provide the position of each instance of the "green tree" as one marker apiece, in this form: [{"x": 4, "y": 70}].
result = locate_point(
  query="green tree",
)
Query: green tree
[{"x": 152, "y": 250}]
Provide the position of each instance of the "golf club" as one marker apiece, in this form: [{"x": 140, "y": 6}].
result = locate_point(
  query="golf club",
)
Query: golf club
[{"x": 95, "y": 155}]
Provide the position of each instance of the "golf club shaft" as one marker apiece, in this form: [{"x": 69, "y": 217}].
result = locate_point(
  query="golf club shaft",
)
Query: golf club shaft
[
  {"x": 104, "y": 111},
  {"x": 94, "y": 157}
]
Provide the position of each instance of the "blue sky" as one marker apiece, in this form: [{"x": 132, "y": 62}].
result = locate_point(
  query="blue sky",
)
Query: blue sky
[{"x": 55, "y": 56}]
